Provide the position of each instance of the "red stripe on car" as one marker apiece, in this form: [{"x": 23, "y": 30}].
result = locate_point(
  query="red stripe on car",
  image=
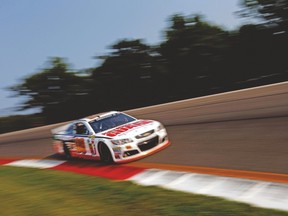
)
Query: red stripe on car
[{"x": 124, "y": 128}]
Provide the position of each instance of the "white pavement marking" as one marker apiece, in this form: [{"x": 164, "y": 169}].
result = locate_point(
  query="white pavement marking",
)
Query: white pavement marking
[
  {"x": 271, "y": 195},
  {"x": 258, "y": 193},
  {"x": 150, "y": 177},
  {"x": 33, "y": 163}
]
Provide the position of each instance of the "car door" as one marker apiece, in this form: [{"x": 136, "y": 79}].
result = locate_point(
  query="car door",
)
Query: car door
[{"x": 81, "y": 138}]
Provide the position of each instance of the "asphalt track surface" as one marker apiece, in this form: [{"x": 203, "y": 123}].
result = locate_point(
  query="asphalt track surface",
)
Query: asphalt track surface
[{"x": 241, "y": 130}]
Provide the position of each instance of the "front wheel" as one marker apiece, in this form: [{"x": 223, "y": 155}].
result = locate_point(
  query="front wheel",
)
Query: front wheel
[{"x": 105, "y": 154}]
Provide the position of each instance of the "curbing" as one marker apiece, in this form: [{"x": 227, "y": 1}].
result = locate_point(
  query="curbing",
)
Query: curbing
[{"x": 258, "y": 193}]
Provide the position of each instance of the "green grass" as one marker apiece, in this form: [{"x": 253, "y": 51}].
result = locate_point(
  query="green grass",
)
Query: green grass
[{"x": 25, "y": 191}]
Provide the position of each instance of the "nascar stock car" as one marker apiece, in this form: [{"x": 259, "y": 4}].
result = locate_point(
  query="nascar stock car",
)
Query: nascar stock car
[{"x": 112, "y": 137}]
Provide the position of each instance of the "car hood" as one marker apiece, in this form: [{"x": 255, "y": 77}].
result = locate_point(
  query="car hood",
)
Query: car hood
[{"x": 131, "y": 129}]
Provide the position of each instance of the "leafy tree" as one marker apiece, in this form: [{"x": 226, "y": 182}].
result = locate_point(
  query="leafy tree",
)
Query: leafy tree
[
  {"x": 271, "y": 12},
  {"x": 56, "y": 90},
  {"x": 262, "y": 45},
  {"x": 126, "y": 76},
  {"x": 192, "y": 50}
]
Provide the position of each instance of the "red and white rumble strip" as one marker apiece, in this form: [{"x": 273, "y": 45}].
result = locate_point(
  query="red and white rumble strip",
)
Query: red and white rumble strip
[{"x": 258, "y": 193}]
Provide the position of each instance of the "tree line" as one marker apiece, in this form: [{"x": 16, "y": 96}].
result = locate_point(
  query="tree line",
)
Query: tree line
[{"x": 195, "y": 58}]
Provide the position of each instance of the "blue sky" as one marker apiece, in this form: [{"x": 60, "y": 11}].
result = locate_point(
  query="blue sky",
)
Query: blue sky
[{"x": 34, "y": 30}]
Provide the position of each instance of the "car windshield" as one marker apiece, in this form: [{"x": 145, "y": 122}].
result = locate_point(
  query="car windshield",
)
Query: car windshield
[{"x": 109, "y": 122}]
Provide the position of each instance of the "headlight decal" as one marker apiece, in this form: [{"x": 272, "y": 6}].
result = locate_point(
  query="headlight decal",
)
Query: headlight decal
[
  {"x": 160, "y": 127},
  {"x": 121, "y": 141}
]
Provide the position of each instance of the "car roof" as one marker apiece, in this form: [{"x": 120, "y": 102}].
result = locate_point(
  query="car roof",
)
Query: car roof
[{"x": 98, "y": 115}]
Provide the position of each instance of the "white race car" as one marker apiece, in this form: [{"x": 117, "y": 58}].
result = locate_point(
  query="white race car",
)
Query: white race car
[{"x": 110, "y": 137}]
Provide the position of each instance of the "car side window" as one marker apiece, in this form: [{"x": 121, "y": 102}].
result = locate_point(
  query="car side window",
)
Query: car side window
[{"x": 81, "y": 129}]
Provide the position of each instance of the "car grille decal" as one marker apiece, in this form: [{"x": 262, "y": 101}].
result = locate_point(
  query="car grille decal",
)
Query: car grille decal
[{"x": 145, "y": 134}]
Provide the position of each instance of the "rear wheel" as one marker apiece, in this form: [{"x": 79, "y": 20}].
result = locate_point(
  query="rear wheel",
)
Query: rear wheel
[
  {"x": 105, "y": 154},
  {"x": 66, "y": 151}
]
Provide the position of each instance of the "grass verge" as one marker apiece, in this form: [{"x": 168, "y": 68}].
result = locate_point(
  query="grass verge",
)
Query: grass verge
[{"x": 26, "y": 191}]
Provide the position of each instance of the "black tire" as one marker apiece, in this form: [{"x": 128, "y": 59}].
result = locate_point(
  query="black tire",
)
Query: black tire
[
  {"x": 105, "y": 154},
  {"x": 67, "y": 151}
]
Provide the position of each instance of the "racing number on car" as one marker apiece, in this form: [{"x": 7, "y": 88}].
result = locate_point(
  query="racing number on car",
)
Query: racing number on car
[{"x": 80, "y": 145}]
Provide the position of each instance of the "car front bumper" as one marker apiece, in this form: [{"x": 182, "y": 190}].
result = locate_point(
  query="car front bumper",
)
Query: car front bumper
[{"x": 141, "y": 147}]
